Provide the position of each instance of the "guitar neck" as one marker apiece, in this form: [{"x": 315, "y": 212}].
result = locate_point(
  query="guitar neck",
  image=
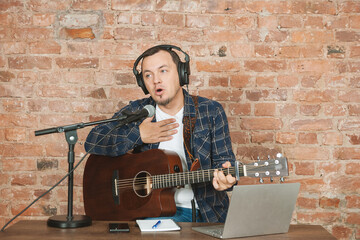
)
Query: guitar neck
[{"x": 183, "y": 178}]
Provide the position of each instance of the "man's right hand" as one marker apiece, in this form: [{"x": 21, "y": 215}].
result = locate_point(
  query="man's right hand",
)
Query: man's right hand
[{"x": 154, "y": 132}]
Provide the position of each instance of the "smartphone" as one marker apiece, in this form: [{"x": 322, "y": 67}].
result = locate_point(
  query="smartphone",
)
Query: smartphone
[{"x": 118, "y": 227}]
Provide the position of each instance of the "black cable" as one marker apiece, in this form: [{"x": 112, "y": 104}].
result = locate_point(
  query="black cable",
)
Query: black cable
[{"x": 56, "y": 184}]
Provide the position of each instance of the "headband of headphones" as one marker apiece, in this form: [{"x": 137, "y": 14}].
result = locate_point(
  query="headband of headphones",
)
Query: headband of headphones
[{"x": 183, "y": 68}]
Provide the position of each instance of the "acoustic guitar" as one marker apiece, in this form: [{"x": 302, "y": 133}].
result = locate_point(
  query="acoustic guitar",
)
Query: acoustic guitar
[{"x": 142, "y": 185}]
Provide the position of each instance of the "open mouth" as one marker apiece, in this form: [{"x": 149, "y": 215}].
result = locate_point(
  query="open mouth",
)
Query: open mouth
[{"x": 159, "y": 91}]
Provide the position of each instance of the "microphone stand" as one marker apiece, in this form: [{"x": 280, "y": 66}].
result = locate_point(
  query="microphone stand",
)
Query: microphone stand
[{"x": 69, "y": 220}]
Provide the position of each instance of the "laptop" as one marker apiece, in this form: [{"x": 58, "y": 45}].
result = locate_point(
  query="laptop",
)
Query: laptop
[{"x": 257, "y": 210}]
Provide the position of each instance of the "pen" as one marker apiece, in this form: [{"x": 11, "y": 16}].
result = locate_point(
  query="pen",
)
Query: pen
[{"x": 156, "y": 224}]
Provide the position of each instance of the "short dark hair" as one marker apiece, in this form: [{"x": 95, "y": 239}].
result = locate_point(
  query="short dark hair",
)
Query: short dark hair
[{"x": 151, "y": 51}]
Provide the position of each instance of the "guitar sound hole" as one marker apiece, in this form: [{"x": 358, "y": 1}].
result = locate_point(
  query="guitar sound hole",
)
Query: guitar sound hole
[{"x": 142, "y": 184}]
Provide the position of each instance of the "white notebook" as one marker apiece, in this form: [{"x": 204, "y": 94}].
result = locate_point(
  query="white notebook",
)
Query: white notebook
[{"x": 164, "y": 225}]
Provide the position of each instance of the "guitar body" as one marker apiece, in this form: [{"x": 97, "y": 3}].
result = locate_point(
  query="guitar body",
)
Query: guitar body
[{"x": 100, "y": 200}]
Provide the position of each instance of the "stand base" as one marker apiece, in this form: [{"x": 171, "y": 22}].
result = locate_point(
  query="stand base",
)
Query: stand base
[{"x": 61, "y": 221}]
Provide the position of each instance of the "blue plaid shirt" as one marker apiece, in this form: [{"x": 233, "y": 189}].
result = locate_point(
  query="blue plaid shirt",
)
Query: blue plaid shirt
[{"x": 211, "y": 145}]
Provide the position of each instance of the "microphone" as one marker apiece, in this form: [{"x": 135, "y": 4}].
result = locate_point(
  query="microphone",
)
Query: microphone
[{"x": 147, "y": 111}]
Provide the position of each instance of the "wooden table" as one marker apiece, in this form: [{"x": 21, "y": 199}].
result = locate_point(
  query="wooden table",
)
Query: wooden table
[{"x": 32, "y": 229}]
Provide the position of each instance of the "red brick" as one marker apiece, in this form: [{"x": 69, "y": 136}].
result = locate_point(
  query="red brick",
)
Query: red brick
[
  {"x": 347, "y": 153},
  {"x": 347, "y": 36},
  {"x": 195, "y": 21},
  {"x": 335, "y": 110},
  {"x": 15, "y": 134},
  {"x": 245, "y": 22},
  {"x": 240, "y": 109},
  {"x": 353, "y": 218},
  {"x": 336, "y": 22},
  {"x": 30, "y": 62},
  {"x": 23, "y": 179},
  {"x": 317, "y": 66},
  {"x": 333, "y": 138},
  {"x": 318, "y": 217},
  {"x": 32, "y": 34},
  {"x": 45, "y": 47},
  {"x": 76, "y": 33},
  {"x": 262, "y": 137},
  {"x": 349, "y": 96},
  {"x": 286, "y": 137},
  {"x": 79, "y": 48},
  {"x": 116, "y": 63},
  {"x": 328, "y": 167},
  {"x": 325, "y": 202},
  {"x": 16, "y": 120},
  {"x": 265, "y": 109},
  {"x": 265, "y": 81},
  {"x": 224, "y": 35},
  {"x": 14, "y": 47},
  {"x": 240, "y": 137},
  {"x": 218, "y": 81},
  {"x": 264, "y": 66},
  {"x": 261, "y": 123},
  {"x": 352, "y": 168},
  {"x": 313, "y": 36},
  {"x": 355, "y": 82},
  {"x": 352, "y": 201},
  {"x": 11, "y": 5},
  {"x": 313, "y": 22},
  {"x": 307, "y": 153},
  {"x": 57, "y": 91},
  {"x": 310, "y": 110},
  {"x": 354, "y": 22},
  {"x": 268, "y": 22},
  {"x": 217, "y": 66},
  {"x": 222, "y": 95},
  {"x": 12, "y": 164},
  {"x": 151, "y": 19},
  {"x": 89, "y": 5},
  {"x": 288, "y": 110},
  {"x": 349, "y": 125},
  {"x": 354, "y": 138},
  {"x": 241, "y": 50},
  {"x": 341, "y": 232},
  {"x": 305, "y": 168},
  {"x": 6, "y": 76},
  {"x": 354, "y": 51},
  {"x": 344, "y": 184},
  {"x": 308, "y": 138},
  {"x": 67, "y": 62},
  {"x": 270, "y": 7},
  {"x": 220, "y": 21},
  {"x": 321, "y": 7},
  {"x": 239, "y": 81},
  {"x": 290, "y": 21},
  {"x": 126, "y": 33},
  {"x": 311, "y": 125},
  {"x": 307, "y": 203},
  {"x": 252, "y": 153},
  {"x": 349, "y": 7},
  {"x": 43, "y": 19},
  {"x": 21, "y": 149}
]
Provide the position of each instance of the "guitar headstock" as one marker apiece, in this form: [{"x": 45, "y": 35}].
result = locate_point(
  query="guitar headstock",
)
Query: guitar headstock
[{"x": 277, "y": 167}]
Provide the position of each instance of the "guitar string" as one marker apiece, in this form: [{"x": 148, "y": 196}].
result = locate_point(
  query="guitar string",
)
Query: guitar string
[{"x": 166, "y": 179}]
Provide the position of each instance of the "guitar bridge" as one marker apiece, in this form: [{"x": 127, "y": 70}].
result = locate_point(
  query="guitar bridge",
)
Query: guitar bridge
[{"x": 115, "y": 189}]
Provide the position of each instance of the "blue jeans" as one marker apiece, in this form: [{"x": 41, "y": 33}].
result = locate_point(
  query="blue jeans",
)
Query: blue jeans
[{"x": 183, "y": 215}]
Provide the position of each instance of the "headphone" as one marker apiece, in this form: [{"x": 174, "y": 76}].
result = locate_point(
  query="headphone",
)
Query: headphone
[{"x": 183, "y": 68}]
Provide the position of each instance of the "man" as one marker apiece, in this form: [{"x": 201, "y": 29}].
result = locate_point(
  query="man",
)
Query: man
[{"x": 162, "y": 75}]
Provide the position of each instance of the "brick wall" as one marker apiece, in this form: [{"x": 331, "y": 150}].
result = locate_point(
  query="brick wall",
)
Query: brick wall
[{"x": 286, "y": 72}]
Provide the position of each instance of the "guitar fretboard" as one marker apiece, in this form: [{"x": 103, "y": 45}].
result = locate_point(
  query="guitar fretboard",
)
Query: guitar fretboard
[{"x": 182, "y": 178}]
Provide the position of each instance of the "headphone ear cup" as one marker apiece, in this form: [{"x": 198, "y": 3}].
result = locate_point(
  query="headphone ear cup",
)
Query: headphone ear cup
[
  {"x": 183, "y": 73},
  {"x": 140, "y": 82}
]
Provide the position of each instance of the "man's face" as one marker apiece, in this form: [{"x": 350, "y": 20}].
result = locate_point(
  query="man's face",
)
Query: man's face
[{"x": 161, "y": 78}]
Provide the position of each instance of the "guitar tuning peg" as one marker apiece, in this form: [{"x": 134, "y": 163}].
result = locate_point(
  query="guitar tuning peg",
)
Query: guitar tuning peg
[
  {"x": 261, "y": 180},
  {"x": 271, "y": 179},
  {"x": 258, "y": 158},
  {"x": 282, "y": 179},
  {"x": 268, "y": 157},
  {"x": 279, "y": 155}
]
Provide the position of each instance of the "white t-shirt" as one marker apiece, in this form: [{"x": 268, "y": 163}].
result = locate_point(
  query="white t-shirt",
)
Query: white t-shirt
[{"x": 183, "y": 196}]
